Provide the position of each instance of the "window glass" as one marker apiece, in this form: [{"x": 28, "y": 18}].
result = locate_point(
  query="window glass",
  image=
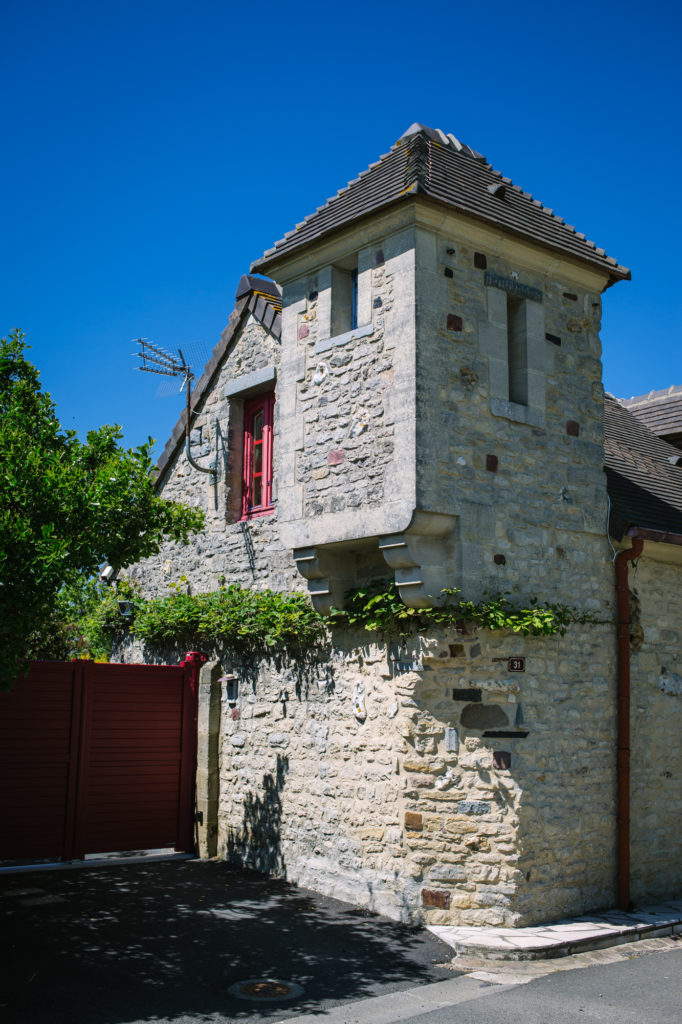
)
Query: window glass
[{"x": 257, "y": 456}]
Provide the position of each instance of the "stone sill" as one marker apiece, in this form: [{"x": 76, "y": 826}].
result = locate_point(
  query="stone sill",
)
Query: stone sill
[
  {"x": 517, "y": 413},
  {"x": 342, "y": 339}
]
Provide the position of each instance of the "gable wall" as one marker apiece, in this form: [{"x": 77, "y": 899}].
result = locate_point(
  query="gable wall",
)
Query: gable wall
[{"x": 222, "y": 550}]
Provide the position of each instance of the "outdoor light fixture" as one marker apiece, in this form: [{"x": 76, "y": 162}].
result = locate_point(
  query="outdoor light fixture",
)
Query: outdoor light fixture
[
  {"x": 125, "y": 609},
  {"x": 231, "y": 688}
]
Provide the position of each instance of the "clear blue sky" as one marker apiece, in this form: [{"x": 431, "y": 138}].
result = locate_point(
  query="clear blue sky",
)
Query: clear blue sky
[{"x": 152, "y": 150}]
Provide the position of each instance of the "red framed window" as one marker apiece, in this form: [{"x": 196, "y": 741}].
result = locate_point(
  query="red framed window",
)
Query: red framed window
[{"x": 257, "y": 488}]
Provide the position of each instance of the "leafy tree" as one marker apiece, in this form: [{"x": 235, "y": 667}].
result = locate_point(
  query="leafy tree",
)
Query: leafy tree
[{"x": 65, "y": 506}]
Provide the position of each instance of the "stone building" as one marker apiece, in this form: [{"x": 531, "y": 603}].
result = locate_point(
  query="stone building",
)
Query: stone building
[{"x": 411, "y": 389}]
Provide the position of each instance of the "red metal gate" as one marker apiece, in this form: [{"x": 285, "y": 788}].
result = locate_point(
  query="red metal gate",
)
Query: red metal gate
[{"x": 98, "y": 758}]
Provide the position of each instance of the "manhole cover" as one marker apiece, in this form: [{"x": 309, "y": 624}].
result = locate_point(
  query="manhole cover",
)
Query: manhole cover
[{"x": 265, "y": 989}]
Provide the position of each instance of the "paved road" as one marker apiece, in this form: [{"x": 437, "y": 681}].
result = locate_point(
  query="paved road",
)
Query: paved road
[
  {"x": 647, "y": 990},
  {"x": 164, "y": 942}
]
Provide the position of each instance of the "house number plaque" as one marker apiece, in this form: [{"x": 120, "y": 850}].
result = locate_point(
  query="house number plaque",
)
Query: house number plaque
[{"x": 516, "y": 665}]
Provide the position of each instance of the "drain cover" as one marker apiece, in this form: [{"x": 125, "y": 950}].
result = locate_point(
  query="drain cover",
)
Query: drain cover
[{"x": 265, "y": 990}]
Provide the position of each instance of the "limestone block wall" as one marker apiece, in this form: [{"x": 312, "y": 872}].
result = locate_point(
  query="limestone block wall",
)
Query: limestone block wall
[
  {"x": 519, "y": 476},
  {"x": 656, "y": 758},
  {"x": 461, "y": 792},
  {"x": 347, "y": 400},
  {"x": 510, "y": 776},
  {"x": 249, "y": 553},
  {"x": 309, "y": 791}
]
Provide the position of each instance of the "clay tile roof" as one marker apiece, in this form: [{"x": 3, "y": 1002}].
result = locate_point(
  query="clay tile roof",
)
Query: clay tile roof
[
  {"x": 255, "y": 295},
  {"x": 643, "y": 478},
  {"x": 442, "y": 169},
  {"x": 660, "y": 411}
]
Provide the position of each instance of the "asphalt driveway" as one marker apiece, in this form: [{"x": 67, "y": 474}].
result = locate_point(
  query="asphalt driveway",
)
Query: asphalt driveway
[{"x": 164, "y": 942}]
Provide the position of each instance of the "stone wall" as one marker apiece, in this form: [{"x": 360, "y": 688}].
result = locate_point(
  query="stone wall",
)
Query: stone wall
[
  {"x": 248, "y": 553},
  {"x": 347, "y": 400},
  {"x": 526, "y": 481},
  {"x": 428, "y": 782},
  {"x": 656, "y": 759}
]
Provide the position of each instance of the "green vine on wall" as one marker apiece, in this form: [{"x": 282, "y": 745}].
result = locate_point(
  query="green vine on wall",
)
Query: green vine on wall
[
  {"x": 258, "y": 622},
  {"x": 378, "y": 608}
]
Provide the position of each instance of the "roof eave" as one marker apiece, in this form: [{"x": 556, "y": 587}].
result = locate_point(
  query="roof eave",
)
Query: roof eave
[{"x": 269, "y": 264}]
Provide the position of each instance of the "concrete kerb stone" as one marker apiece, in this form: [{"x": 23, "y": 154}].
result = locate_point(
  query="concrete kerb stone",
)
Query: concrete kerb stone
[{"x": 563, "y": 938}]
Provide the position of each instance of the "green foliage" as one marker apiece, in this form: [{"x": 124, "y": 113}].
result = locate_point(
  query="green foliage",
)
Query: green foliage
[
  {"x": 87, "y": 621},
  {"x": 378, "y": 608},
  {"x": 244, "y": 621},
  {"x": 65, "y": 507}
]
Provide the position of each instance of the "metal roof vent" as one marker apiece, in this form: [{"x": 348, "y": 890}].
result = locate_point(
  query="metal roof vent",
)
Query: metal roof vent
[{"x": 498, "y": 189}]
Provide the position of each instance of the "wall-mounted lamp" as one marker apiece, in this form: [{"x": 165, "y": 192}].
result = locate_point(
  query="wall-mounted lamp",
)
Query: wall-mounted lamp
[
  {"x": 231, "y": 688},
  {"x": 125, "y": 609}
]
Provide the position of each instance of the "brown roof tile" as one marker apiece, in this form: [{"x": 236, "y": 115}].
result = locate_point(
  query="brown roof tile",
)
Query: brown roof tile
[
  {"x": 660, "y": 411},
  {"x": 440, "y": 168},
  {"x": 644, "y": 482}
]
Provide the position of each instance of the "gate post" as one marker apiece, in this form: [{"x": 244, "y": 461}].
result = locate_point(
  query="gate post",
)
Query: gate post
[
  {"x": 208, "y": 733},
  {"x": 192, "y": 666}
]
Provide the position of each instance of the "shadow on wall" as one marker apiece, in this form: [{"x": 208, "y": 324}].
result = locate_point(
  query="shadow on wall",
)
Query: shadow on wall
[{"x": 257, "y": 843}]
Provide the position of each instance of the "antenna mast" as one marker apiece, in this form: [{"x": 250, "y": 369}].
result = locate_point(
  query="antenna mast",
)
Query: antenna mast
[{"x": 157, "y": 360}]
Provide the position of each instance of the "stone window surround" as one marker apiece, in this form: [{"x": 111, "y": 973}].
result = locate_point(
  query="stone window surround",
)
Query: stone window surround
[
  {"x": 264, "y": 403},
  {"x": 361, "y": 259},
  {"x": 238, "y": 391},
  {"x": 493, "y": 343}
]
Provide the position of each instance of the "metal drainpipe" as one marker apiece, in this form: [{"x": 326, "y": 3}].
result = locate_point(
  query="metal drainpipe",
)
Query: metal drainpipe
[{"x": 623, "y": 818}]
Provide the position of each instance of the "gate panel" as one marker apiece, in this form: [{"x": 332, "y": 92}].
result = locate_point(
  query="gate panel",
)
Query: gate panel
[
  {"x": 37, "y": 761},
  {"x": 97, "y": 759},
  {"x": 131, "y": 754}
]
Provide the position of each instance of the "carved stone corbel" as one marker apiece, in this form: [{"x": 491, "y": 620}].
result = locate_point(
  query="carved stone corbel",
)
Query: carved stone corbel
[
  {"x": 423, "y": 558},
  {"x": 327, "y": 575}
]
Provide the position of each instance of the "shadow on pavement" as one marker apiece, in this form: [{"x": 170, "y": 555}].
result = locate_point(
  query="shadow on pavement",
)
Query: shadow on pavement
[{"x": 163, "y": 942}]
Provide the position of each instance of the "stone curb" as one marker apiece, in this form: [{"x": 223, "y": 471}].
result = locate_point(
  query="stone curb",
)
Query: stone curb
[{"x": 563, "y": 938}]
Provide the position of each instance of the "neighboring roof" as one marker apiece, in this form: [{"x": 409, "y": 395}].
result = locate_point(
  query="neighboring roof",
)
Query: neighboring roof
[
  {"x": 643, "y": 478},
  {"x": 255, "y": 295},
  {"x": 440, "y": 168},
  {"x": 660, "y": 411}
]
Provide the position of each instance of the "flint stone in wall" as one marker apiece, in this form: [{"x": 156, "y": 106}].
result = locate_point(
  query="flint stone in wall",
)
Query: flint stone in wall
[
  {"x": 670, "y": 682},
  {"x": 278, "y": 739},
  {"x": 473, "y": 807},
  {"x": 484, "y": 716}
]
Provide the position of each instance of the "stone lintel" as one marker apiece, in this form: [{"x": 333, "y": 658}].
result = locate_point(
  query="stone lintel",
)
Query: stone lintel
[{"x": 250, "y": 383}]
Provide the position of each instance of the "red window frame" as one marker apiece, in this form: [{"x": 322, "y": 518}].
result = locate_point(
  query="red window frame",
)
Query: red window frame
[{"x": 257, "y": 451}]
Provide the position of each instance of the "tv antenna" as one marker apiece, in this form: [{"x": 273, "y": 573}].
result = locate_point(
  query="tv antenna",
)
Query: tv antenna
[{"x": 157, "y": 360}]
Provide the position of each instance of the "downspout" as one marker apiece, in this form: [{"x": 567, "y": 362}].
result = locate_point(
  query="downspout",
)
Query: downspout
[{"x": 623, "y": 762}]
